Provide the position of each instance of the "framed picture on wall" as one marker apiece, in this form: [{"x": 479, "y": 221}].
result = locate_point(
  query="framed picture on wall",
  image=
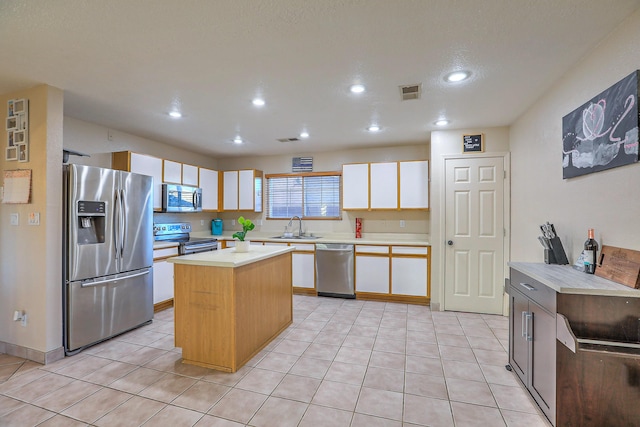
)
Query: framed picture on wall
[
  {"x": 12, "y": 153},
  {"x": 12, "y": 123},
  {"x": 19, "y": 136},
  {"x": 19, "y": 106},
  {"x": 603, "y": 132},
  {"x": 23, "y": 153}
]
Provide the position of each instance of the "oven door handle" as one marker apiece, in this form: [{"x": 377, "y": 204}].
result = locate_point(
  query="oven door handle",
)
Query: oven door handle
[{"x": 188, "y": 248}]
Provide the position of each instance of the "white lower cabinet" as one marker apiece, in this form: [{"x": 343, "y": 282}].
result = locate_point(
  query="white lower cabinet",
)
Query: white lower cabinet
[
  {"x": 372, "y": 274},
  {"x": 304, "y": 270},
  {"x": 409, "y": 276},
  {"x": 163, "y": 274}
]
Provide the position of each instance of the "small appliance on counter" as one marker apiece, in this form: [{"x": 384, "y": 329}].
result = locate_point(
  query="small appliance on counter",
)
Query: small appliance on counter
[
  {"x": 216, "y": 227},
  {"x": 179, "y": 232}
]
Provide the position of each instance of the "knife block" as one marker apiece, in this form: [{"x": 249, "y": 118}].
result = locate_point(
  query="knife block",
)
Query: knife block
[{"x": 559, "y": 256}]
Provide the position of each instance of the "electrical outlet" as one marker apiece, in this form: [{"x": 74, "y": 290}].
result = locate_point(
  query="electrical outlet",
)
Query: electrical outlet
[
  {"x": 402, "y": 223},
  {"x": 14, "y": 219},
  {"x": 109, "y": 135},
  {"x": 233, "y": 222},
  {"x": 24, "y": 319},
  {"x": 259, "y": 222},
  {"x": 202, "y": 222}
]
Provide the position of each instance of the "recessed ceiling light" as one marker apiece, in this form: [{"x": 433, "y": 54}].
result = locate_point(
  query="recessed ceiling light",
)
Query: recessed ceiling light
[
  {"x": 175, "y": 114},
  {"x": 442, "y": 122},
  {"x": 237, "y": 140},
  {"x": 374, "y": 128},
  {"x": 258, "y": 102},
  {"x": 357, "y": 88},
  {"x": 457, "y": 76},
  {"x": 304, "y": 134}
]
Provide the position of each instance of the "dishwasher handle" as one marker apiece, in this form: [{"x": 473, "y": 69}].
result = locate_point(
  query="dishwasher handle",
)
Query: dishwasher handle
[{"x": 333, "y": 247}]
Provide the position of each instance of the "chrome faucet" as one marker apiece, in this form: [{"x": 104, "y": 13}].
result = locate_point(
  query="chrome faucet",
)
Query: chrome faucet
[{"x": 300, "y": 232}]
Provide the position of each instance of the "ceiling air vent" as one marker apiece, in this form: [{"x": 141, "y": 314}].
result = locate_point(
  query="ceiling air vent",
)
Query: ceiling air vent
[
  {"x": 288, "y": 139},
  {"x": 410, "y": 92}
]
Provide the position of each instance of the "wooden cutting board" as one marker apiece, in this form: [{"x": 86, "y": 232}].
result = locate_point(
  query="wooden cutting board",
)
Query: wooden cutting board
[{"x": 620, "y": 265}]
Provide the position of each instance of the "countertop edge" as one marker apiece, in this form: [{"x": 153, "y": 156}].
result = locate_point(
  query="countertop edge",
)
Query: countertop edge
[
  {"x": 574, "y": 282},
  {"x": 229, "y": 258}
]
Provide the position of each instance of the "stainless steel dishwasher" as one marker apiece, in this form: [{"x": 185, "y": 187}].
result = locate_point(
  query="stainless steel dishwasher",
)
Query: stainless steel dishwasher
[{"x": 334, "y": 270}]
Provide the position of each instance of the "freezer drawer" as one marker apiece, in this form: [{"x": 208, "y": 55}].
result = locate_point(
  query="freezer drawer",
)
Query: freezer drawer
[{"x": 107, "y": 306}]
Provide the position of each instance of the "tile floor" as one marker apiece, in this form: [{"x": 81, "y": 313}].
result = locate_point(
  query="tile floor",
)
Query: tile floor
[{"x": 341, "y": 363}]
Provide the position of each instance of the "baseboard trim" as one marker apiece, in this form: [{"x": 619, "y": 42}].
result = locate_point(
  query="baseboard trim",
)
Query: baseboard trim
[
  {"x": 37, "y": 356},
  {"x": 163, "y": 305}
]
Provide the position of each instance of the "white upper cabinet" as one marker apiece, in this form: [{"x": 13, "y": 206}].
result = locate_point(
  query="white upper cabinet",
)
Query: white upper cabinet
[
  {"x": 355, "y": 186},
  {"x": 145, "y": 165},
  {"x": 208, "y": 181},
  {"x": 414, "y": 185},
  {"x": 242, "y": 190},
  {"x": 246, "y": 195},
  {"x": 384, "y": 185},
  {"x": 230, "y": 191},
  {"x": 189, "y": 175},
  {"x": 172, "y": 172}
]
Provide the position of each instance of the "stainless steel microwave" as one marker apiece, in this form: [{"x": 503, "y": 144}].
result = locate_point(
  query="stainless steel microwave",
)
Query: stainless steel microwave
[{"x": 181, "y": 198}]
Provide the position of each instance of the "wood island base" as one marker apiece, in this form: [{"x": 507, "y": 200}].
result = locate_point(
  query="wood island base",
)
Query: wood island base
[{"x": 225, "y": 315}]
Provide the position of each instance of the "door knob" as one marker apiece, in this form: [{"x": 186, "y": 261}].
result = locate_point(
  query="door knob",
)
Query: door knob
[{"x": 450, "y": 242}]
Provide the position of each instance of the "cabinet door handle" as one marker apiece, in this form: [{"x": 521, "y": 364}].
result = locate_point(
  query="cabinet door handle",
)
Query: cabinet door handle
[
  {"x": 527, "y": 287},
  {"x": 528, "y": 317},
  {"x": 522, "y": 324}
]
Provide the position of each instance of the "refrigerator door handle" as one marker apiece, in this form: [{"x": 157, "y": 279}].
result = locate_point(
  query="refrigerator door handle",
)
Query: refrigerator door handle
[
  {"x": 112, "y": 279},
  {"x": 116, "y": 224},
  {"x": 123, "y": 223}
]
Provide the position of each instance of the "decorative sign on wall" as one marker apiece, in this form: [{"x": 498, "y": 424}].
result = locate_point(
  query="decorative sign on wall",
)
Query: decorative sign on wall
[
  {"x": 18, "y": 130},
  {"x": 17, "y": 186},
  {"x": 472, "y": 143},
  {"x": 302, "y": 164},
  {"x": 602, "y": 133}
]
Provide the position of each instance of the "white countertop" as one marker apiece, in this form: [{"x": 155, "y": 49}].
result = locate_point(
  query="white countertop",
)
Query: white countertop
[
  {"x": 230, "y": 258},
  {"x": 367, "y": 239},
  {"x": 567, "y": 280}
]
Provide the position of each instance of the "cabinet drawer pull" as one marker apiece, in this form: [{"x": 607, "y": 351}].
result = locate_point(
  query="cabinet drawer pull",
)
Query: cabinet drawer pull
[{"x": 527, "y": 287}]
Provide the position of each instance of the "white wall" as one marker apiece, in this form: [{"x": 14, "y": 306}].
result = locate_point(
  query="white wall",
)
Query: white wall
[
  {"x": 373, "y": 222},
  {"x": 446, "y": 144},
  {"x": 93, "y": 139},
  {"x": 608, "y": 201},
  {"x": 31, "y": 272}
]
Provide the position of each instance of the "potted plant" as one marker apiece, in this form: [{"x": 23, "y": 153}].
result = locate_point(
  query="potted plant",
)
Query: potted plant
[{"x": 243, "y": 245}]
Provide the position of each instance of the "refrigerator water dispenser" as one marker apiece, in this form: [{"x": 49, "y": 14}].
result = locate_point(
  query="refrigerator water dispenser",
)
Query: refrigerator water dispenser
[{"x": 91, "y": 222}]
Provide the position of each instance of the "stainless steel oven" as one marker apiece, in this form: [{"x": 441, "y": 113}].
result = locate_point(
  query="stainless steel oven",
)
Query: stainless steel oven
[{"x": 179, "y": 232}]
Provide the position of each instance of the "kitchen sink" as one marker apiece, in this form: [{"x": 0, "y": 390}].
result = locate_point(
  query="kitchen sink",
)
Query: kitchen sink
[{"x": 295, "y": 237}]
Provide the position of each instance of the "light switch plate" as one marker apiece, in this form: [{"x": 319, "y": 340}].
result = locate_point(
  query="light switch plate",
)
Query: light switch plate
[
  {"x": 14, "y": 219},
  {"x": 34, "y": 218}
]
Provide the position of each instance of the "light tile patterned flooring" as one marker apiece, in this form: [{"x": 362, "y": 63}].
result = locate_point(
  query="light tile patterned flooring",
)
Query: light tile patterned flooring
[{"x": 341, "y": 363}]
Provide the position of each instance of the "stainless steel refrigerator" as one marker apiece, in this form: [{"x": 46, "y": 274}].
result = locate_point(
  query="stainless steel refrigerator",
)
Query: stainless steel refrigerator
[{"x": 108, "y": 254}]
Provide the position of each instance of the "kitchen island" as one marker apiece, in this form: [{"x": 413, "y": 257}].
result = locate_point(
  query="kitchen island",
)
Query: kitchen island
[{"x": 230, "y": 305}]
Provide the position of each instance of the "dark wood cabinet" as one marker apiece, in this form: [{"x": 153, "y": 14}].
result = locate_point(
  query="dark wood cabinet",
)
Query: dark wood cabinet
[
  {"x": 574, "y": 342},
  {"x": 532, "y": 339}
]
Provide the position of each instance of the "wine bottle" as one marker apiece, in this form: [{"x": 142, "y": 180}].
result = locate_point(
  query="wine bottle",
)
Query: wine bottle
[{"x": 590, "y": 251}]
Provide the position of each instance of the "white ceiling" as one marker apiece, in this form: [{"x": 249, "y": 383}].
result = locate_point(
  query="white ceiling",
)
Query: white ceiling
[{"x": 125, "y": 64}]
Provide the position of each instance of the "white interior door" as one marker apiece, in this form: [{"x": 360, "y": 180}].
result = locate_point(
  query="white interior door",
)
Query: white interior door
[{"x": 474, "y": 223}]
